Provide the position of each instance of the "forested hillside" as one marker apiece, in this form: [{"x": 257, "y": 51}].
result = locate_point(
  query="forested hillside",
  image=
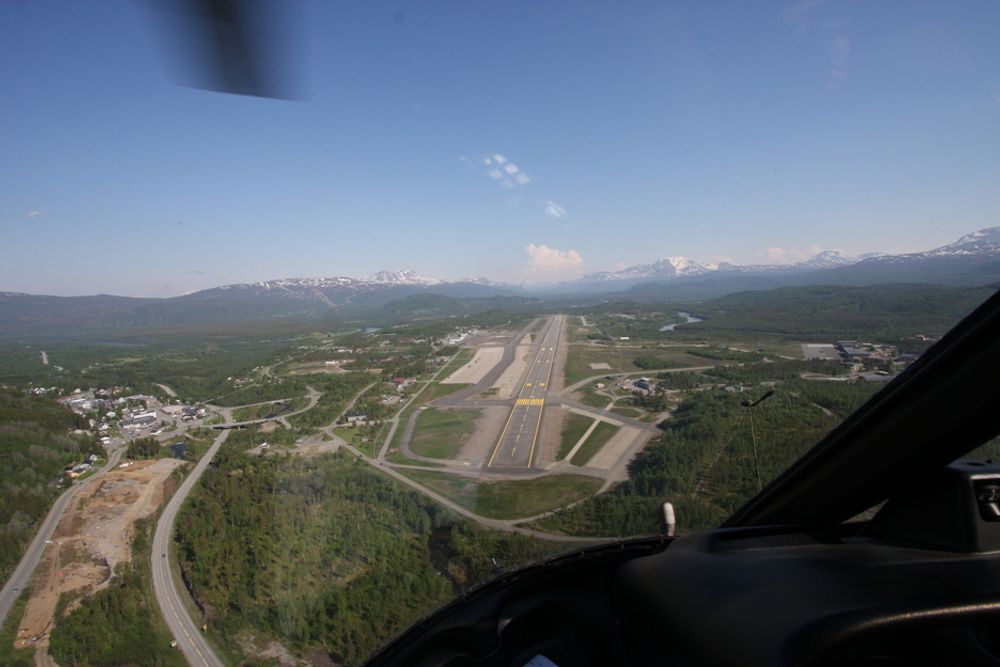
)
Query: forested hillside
[
  {"x": 703, "y": 463},
  {"x": 35, "y": 445},
  {"x": 882, "y": 313},
  {"x": 326, "y": 552}
]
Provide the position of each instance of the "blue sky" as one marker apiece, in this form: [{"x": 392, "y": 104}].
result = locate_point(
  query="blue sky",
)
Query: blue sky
[{"x": 627, "y": 131}]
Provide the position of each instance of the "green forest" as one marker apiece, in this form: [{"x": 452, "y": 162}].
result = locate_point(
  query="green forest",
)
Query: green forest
[
  {"x": 703, "y": 463},
  {"x": 35, "y": 446},
  {"x": 881, "y": 313},
  {"x": 326, "y": 552}
]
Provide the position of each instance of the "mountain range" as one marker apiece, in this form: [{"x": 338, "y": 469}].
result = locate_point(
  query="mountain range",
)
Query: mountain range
[
  {"x": 973, "y": 259},
  {"x": 983, "y": 243}
]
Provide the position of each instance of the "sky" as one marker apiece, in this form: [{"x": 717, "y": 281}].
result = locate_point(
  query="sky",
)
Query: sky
[{"x": 525, "y": 142}]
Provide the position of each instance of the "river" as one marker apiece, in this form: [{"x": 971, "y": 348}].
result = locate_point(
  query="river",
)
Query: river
[{"x": 687, "y": 316}]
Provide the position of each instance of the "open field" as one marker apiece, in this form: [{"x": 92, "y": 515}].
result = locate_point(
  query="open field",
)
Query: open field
[
  {"x": 597, "y": 439},
  {"x": 433, "y": 391},
  {"x": 506, "y": 384},
  {"x": 463, "y": 357},
  {"x": 440, "y": 434},
  {"x": 589, "y": 395},
  {"x": 509, "y": 499},
  {"x": 621, "y": 359},
  {"x": 573, "y": 429},
  {"x": 475, "y": 369}
]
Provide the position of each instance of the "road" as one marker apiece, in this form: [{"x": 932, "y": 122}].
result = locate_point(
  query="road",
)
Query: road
[
  {"x": 311, "y": 394},
  {"x": 169, "y": 392},
  {"x": 459, "y": 398},
  {"x": 22, "y": 573},
  {"x": 516, "y": 446},
  {"x": 509, "y": 526},
  {"x": 169, "y": 595}
]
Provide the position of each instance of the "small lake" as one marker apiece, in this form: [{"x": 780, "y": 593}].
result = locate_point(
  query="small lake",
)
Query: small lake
[{"x": 687, "y": 316}]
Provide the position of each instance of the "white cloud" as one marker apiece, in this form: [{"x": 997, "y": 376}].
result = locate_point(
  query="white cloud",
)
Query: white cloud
[
  {"x": 555, "y": 210},
  {"x": 35, "y": 213},
  {"x": 799, "y": 12},
  {"x": 506, "y": 174},
  {"x": 840, "y": 53},
  {"x": 542, "y": 258}
]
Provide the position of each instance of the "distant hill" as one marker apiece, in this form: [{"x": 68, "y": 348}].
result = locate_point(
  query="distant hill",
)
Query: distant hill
[
  {"x": 28, "y": 315},
  {"x": 439, "y": 305},
  {"x": 972, "y": 260},
  {"x": 825, "y": 313}
]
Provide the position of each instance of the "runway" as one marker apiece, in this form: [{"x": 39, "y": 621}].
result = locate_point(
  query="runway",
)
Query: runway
[{"x": 516, "y": 446}]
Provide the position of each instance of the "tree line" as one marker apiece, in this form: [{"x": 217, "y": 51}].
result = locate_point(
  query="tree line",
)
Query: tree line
[{"x": 325, "y": 552}]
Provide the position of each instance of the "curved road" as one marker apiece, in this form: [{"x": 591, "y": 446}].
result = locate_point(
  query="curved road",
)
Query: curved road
[
  {"x": 311, "y": 394},
  {"x": 22, "y": 573},
  {"x": 169, "y": 595},
  {"x": 498, "y": 524}
]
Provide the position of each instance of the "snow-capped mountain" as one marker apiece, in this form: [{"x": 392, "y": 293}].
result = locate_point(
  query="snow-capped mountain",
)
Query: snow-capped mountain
[
  {"x": 682, "y": 267},
  {"x": 983, "y": 242},
  {"x": 977, "y": 246},
  {"x": 972, "y": 260},
  {"x": 826, "y": 260},
  {"x": 402, "y": 277},
  {"x": 668, "y": 267},
  {"x": 382, "y": 279},
  {"x": 296, "y": 283}
]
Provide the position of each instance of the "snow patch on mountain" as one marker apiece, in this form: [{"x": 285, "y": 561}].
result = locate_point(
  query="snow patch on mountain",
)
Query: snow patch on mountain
[
  {"x": 402, "y": 277},
  {"x": 827, "y": 259},
  {"x": 983, "y": 242}
]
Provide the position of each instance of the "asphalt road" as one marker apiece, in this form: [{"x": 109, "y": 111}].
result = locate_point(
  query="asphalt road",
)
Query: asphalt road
[
  {"x": 169, "y": 595},
  {"x": 22, "y": 573},
  {"x": 311, "y": 394},
  {"x": 516, "y": 445}
]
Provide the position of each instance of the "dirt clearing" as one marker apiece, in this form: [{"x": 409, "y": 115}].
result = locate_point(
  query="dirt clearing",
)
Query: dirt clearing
[
  {"x": 93, "y": 536},
  {"x": 549, "y": 436},
  {"x": 477, "y": 448},
  {"x": 481, "y": 363},
  {"x": 614, "y": 449},
  {"x": 509, "y": 381}
]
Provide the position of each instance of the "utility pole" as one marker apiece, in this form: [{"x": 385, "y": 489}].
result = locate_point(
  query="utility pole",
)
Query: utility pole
[{"x": 749, "y": 405}]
